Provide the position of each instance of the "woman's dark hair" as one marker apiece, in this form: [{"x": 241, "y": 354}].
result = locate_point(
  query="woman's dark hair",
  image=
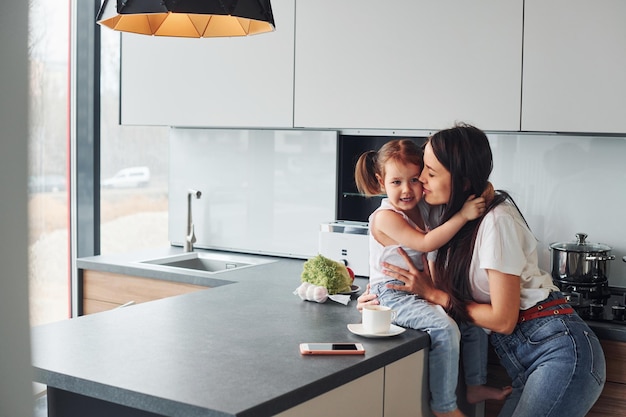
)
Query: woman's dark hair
[
  {"x": 372, "y": 163},
  {"x": 465, "y": 152}
]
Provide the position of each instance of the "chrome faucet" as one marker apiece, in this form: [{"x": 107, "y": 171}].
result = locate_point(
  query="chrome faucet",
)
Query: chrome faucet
[{"x": 190, "y": 235}]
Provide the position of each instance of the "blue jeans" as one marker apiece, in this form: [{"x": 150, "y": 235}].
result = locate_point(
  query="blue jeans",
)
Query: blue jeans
[
  {"x": 443, "y": 356},
  {"x": 556, "y": 364},
  {"x": 474, "y": 348}
]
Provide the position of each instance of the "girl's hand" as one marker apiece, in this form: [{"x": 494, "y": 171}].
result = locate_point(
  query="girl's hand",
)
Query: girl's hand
[
  {"x": 415, "y": 281},
  {"x": 473, "y": 208},
  {"x": 489, "y": 193},
  {"x": 366, "y": 299}
]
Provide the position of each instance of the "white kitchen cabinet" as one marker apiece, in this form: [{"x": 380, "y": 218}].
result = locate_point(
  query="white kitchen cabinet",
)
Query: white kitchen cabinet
[
  {"x": 211, "y": 82},
  {"x": 406, "y": 387},
  {"x": 574, "y": 77},
  {"x": 398, "y": 390},
  {"x": 408, "y": 64},
  {"x": 362, "y": 397}
]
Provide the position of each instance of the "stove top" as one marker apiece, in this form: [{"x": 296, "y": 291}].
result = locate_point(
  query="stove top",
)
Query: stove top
[
  {"x": 597, "y": 301},
  {"x": 611, "y": 308}
]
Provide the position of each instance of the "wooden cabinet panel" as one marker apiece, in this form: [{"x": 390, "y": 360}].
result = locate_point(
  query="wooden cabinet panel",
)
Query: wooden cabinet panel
[
  {"x": 611, "y": 403},
  {"x": 104, "y": 290},
  {"x": 96, "y": 306},
  {"x": 615, "y": 353}
]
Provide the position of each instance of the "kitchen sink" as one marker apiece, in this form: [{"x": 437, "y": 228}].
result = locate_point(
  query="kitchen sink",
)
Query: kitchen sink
[{"x": 208, "y": 262}]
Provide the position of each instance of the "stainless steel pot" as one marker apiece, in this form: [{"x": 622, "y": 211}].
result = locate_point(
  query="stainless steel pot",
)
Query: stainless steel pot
[{"x": 580, "y": 262}]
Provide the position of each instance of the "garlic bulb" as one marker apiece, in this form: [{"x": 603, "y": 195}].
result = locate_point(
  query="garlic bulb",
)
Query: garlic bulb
[{"x": 310, "y": 292}]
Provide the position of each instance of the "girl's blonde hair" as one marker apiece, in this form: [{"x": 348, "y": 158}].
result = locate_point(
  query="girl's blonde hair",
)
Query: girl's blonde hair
[{"x": 370, "y": 163}]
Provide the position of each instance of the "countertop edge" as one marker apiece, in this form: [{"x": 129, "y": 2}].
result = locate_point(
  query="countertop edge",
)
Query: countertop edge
[{"x": 123, "y": 396}]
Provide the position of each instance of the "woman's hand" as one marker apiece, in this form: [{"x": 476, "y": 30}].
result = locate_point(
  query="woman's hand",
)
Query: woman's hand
[
  {"x": 415, "y": 281},
  {"x": 366, "y": 298}
]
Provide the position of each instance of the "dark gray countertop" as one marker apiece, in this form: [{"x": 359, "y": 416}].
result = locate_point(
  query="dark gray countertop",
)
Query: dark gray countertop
[
  {"x": 227, "y": 351},
  {"x": 127, "y": 264}
]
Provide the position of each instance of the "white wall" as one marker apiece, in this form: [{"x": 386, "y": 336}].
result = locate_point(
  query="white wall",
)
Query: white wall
[
  {"x": 565, "y": 185},
  {"x": 15, "y": 373}
]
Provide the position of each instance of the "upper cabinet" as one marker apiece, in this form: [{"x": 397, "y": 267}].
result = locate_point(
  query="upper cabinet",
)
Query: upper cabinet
[
  {"x": 408, "y": 64},
  {"x": 574, "y": 77},
  {"x": 517, "y": 65},
  {"x": 219, "y": 82}
]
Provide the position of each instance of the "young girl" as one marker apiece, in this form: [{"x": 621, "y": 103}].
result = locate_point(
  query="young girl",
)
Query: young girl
[{"x": 399, "y": 222}]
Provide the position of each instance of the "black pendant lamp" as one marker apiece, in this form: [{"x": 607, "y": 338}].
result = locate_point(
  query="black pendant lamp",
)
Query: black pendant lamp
[{"x": 188, "y": 18}]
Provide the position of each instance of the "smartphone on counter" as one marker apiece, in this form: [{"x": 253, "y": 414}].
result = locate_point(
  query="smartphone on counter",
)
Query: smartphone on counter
[{"x": 332, "y": 349}]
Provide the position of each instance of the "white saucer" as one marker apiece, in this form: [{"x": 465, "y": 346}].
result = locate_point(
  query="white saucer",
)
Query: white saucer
[{"x": 357, "y": 328}]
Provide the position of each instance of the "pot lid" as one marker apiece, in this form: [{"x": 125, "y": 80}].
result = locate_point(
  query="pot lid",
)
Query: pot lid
[{"x": 581, "y": 245}]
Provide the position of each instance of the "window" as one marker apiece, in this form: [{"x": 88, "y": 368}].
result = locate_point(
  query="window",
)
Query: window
[
  {"x": 134, "y": 168},
  {"x": 133, "y": 211},
  {"x": 48, "y": 206}
]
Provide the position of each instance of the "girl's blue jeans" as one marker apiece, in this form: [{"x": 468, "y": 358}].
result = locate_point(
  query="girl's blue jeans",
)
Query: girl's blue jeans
[
  {"x": 556, "y": 364},
  {"x": 443, "y": 356}
]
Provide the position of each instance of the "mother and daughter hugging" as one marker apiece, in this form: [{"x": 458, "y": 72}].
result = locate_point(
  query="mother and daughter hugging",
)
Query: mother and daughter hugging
[{"x": 457, "y": 260}]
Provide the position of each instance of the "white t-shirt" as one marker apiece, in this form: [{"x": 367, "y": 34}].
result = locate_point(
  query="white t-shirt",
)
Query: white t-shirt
[
  {"x": 380, "y": 253},
  {"x": 504, "y": 243}
]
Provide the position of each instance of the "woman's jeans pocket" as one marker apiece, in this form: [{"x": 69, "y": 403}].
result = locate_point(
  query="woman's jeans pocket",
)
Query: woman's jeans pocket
[{"x": 597, "y": 367}]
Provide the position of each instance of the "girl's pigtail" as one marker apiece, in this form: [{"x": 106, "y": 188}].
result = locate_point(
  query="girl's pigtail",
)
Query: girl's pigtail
[{"x": 365, "y": 174}]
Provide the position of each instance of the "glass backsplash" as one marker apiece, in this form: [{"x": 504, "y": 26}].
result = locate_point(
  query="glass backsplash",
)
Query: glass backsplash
[
  {"x": 267, "y": 191},
  {"x": 263, "y": 191},
  {"x": 564, "y": 185}
]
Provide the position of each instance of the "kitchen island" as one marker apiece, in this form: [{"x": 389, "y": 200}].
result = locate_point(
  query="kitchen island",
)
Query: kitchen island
[{"x": 231, "y": 350}]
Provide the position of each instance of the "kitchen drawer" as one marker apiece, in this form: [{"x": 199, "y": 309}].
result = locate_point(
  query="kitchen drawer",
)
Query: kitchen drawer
[
  {"x": 611, "y": 403},
  {"x": 615, "y": 353},
  {"x": 105, "y": 290}
]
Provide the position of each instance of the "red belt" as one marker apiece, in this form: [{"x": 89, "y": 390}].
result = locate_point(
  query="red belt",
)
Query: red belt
[{"x": 541, "y": 310}]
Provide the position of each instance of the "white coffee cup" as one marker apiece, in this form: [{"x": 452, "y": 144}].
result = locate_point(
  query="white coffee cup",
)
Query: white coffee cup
[{"x": 377, "y": 318}]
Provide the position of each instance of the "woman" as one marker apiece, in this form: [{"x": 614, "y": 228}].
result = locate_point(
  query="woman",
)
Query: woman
[{"x": 488, "y": 275}]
